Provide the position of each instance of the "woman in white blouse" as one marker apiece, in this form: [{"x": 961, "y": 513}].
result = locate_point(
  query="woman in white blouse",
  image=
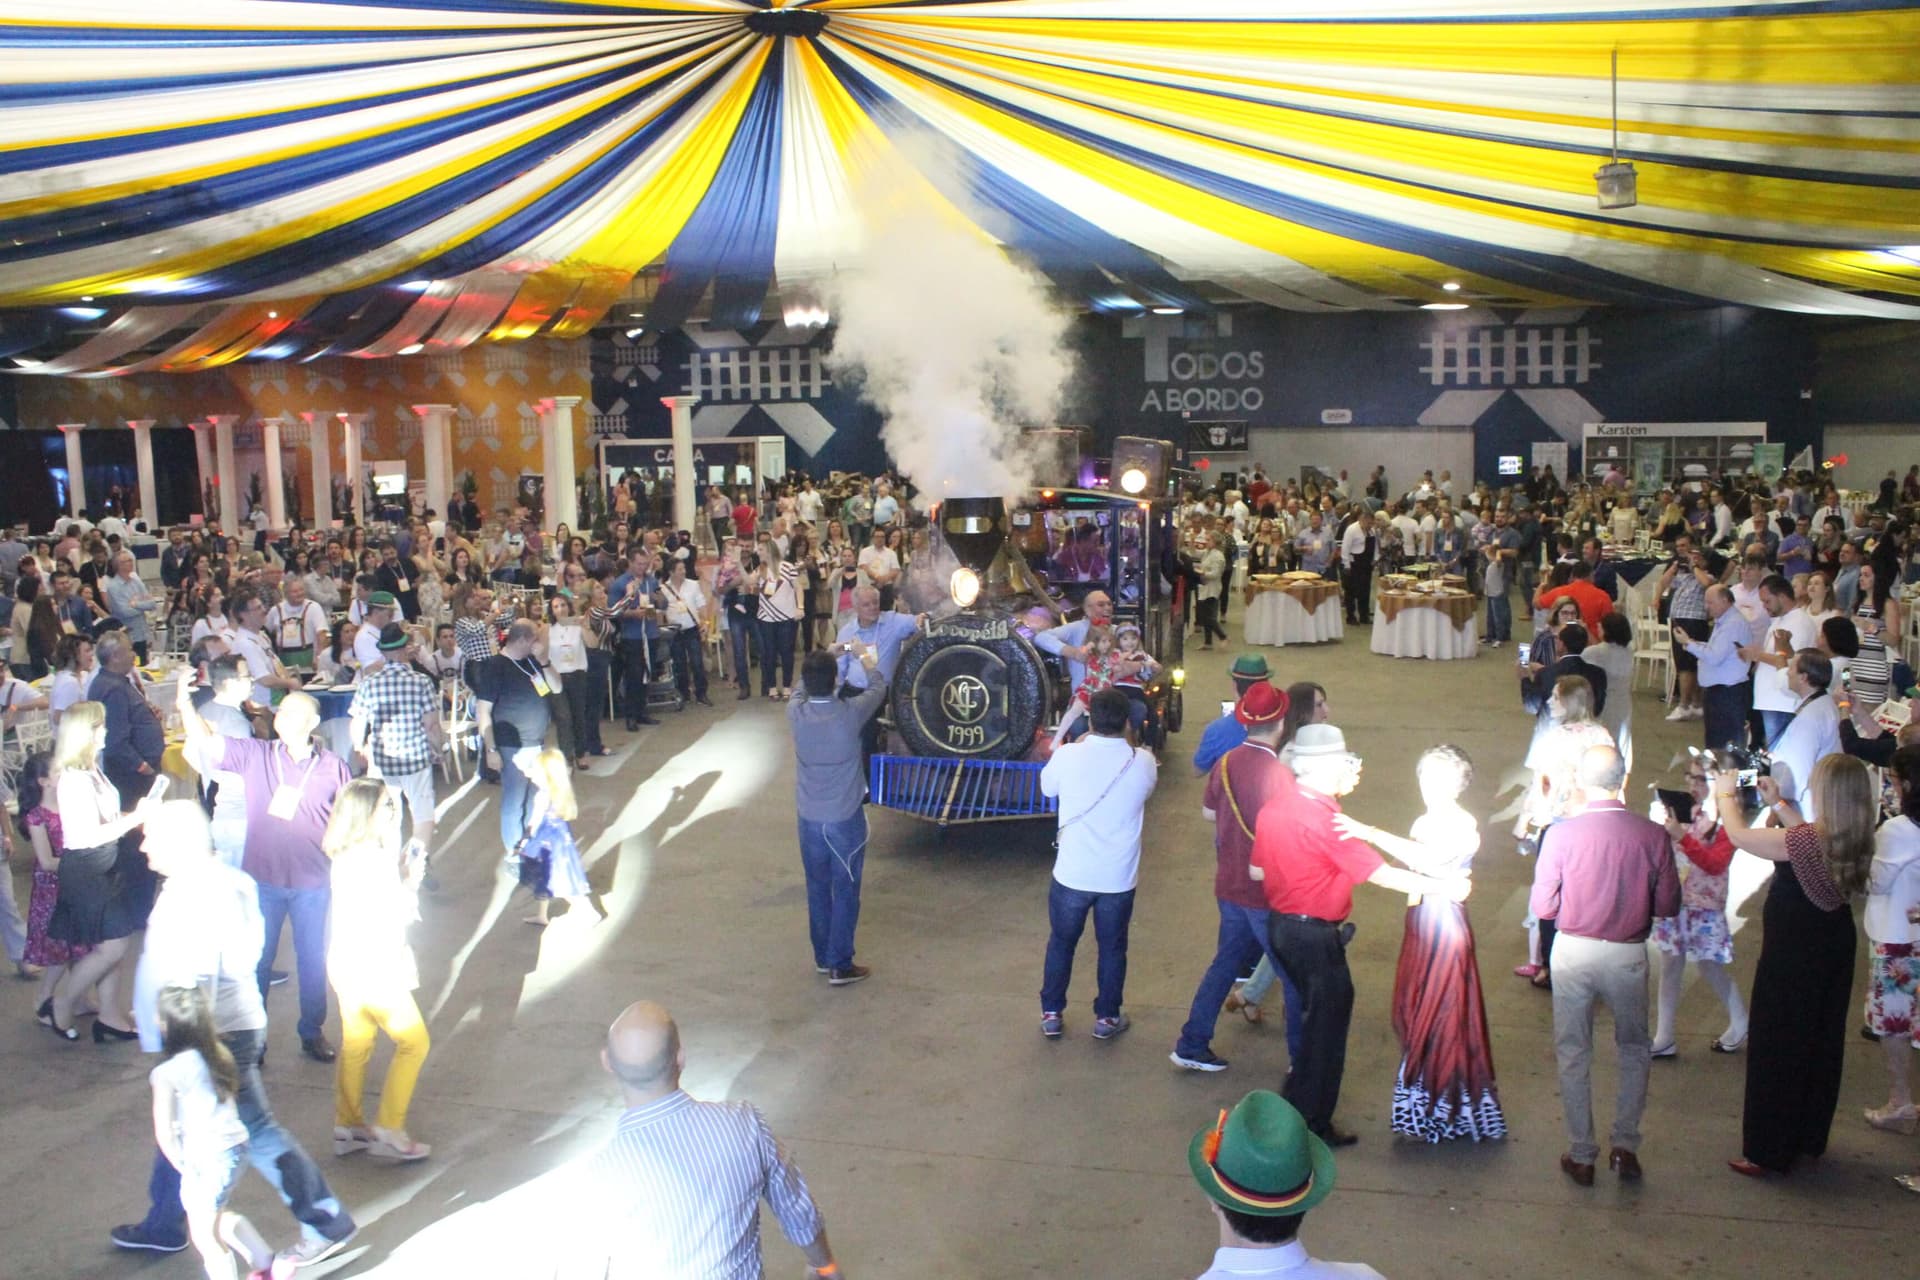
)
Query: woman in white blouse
[
  {"x": 96, "y": 908},
  {"x": 1893, "y": 903},
  {"x": 72, "y": 677}
]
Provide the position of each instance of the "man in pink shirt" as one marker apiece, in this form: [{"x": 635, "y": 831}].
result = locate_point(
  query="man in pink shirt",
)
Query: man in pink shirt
[{"x": 1604, "y": 876}]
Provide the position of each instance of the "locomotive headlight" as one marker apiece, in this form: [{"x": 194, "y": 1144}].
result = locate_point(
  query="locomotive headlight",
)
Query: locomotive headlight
[
  {"x": 1179, "y": 677},
  {"x": 964, "y": 587},
  {"x": 1133, "y": 480}
]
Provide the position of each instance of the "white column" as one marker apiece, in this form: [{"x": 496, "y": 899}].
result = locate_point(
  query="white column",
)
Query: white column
[
  {"x": 76, "y": 475},
  {"x": 545, "y": 412},
  {"x": 436, "y": 428},
  {"x": 229, "y": 479},
  {"x": 563, "y": 479},
  {"x": 682, "y": 410},
  {"x": 320, "y": 461},
  {"x": 446, "y": 458},
  {"x": 356, "y": 474},
  {"x": 276, "y": 474},
  {"x": 203, "y": 455},
  {"x": 143, "y": 464}
]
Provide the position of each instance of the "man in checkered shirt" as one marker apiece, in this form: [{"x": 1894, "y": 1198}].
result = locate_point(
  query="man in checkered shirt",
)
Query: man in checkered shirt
[{"x": 396, "y": 727}]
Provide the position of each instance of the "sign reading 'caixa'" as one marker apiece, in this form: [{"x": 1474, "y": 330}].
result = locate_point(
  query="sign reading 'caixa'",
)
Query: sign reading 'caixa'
[{"x": 1209, "y": 382}]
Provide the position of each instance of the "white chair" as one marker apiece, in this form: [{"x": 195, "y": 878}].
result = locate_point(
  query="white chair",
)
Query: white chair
[
  {"x": 32, "y": 732},
  {"x": 458, "y": 721},
  {"x": 1653, "y": 645}
]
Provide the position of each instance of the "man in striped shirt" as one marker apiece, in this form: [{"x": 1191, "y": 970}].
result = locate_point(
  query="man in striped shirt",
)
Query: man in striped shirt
[{"x": 677, "y": 1191}]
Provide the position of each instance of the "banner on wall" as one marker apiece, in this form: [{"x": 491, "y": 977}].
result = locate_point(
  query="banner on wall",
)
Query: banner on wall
[
  {"x": 1649, "y": 468},
  {"x": 1552, "y": 453},
  {"x": 1217, "y": 437},
  {"x": 1769, "y": 460}
]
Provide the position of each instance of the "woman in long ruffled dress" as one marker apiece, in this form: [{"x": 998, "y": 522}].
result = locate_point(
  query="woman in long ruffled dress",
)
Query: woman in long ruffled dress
[{"x": 1446, "y": 1086}]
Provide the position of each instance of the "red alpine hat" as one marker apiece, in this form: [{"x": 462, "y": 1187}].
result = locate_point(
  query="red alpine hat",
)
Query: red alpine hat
[{"x": 1261, "y": 704}]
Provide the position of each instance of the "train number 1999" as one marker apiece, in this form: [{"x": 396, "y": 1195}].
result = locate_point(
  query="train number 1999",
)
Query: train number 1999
[{"x": 966, "y": 735}]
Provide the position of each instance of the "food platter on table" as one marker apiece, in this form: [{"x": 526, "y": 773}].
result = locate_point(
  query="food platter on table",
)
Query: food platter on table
[{"x": 1301, "y": 575}]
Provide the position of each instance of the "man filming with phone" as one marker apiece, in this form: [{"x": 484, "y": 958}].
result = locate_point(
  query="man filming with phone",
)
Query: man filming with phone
[{"x": 1725, "y": 685}]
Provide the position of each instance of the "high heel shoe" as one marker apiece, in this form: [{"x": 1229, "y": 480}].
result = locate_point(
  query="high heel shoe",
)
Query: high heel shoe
[
  {"x": 44, "y": 1014},
  {"x": 395, "y": 1144},
  {"x": 103, "y": 1033},
  {"x": 68, "y": 1034}
]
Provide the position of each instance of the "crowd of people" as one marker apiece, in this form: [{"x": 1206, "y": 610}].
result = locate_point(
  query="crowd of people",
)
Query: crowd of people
[{"x": 1786, "y": 644}]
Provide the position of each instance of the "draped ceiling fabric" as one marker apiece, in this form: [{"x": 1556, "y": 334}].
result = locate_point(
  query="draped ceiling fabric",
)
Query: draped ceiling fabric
[{"x": 186, "y": 185}]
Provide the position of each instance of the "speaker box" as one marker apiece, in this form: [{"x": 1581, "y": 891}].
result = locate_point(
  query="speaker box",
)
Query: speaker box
[{"x": 1150, "y": 456}]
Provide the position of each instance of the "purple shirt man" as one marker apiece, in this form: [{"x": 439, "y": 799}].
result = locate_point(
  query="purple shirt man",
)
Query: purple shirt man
[{"x": 1604, "y": 875}]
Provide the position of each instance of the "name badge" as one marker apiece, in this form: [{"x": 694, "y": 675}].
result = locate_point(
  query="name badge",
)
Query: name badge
[
  {"x": 403, "y": 584},
  {"x": 285, "y": 802},
  {"x": 66, "y": 626},
  {"x": 540, "y": 685}
]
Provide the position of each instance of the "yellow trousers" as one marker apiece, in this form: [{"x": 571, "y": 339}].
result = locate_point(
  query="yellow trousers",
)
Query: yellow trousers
[{"x": 361, "y": 1014}]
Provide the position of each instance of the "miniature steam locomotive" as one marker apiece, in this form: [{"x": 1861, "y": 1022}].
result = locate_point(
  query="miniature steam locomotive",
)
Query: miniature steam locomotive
[{"x": 974, "y": 696}]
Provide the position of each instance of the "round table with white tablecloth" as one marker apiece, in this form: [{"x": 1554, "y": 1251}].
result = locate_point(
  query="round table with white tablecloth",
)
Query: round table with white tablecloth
[
  {"x": 1282, "y": 611},
  {"x": 1423, "y": 624}
]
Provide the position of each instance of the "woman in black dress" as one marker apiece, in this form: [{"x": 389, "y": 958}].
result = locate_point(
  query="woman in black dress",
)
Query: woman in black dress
[
  {"x": 1803, "y": 986},
  {"x": 102, "y": 899}
]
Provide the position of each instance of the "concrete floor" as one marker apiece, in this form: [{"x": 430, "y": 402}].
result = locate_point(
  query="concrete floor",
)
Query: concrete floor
[{"x": 943, "y": 1137}]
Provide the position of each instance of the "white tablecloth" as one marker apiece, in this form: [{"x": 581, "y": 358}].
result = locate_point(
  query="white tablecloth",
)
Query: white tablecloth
[
  {"x": 1423, "y": 633},
  {"x": 1276, "y": 618}
]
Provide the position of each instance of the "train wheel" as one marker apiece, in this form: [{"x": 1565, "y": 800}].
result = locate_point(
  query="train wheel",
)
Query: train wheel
[{"x": 1175, "y": 712}]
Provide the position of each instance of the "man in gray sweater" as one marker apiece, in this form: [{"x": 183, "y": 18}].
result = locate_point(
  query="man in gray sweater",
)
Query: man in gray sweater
[{"x": 830, "y": 794}]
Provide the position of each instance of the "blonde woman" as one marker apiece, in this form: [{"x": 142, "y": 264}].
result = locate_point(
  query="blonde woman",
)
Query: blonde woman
[
  {"x": 1818, "y": 601},
  {"x": 1803, "y": 984},
  {"x": 371, "y": 965},
  {"x": 95, "y": 907},
  {"x": 549, "y": 859}
]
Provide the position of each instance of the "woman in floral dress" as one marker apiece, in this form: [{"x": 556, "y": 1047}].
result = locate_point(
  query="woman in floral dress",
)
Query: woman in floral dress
[{"x": 42, "y": 823}]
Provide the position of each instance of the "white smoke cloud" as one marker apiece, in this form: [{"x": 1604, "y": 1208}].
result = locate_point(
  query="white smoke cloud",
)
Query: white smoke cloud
[{"x": 956, "y": 346}]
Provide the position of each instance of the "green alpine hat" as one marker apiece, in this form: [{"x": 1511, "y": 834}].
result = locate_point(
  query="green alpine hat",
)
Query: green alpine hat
[
  {"x": 1260, "y": 1159},
  {"x": 1251, "y": 666},
  {"x": 382, "y": 600}
]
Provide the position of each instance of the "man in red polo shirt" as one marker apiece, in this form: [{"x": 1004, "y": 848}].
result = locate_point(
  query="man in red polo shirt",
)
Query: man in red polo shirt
[
  {"x": 1308, "y": 871},
  {"x": 1594, "y": 603}
]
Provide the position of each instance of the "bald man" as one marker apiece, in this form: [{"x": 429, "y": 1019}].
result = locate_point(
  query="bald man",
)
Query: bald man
[
  {"x": 1070, "y": 641},
  {"x": 682, "y": 1180}
]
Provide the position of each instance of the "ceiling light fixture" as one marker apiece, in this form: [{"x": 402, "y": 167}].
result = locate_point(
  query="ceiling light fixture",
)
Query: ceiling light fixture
[
  {"x": 1619, "y": 186},
  {"x": 634, "y": 333},
  {"x": 86, "y": 297},
  {"x": 1451, "y": 286},
  {"x": 1443, "y": 306},
  {"x": 1169, "y": 311},
  {"x": 413, "y": 348}
]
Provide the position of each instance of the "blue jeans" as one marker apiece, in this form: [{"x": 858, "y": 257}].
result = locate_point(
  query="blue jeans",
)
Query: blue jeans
[
  {"x": 1067, "y": 918},
  {"x": 834, "y": 855},
  {"x": 308, "y": 910},
  {"x": 270, "y": 1149},
  {"x": 739, "y": 628},
  {"x": 1499, "y": 617},
  {"x": 1243, "y": 940},
  {"x": 514, "y": 792}
]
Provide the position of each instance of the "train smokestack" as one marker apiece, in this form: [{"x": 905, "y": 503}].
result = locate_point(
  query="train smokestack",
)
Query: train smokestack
[{"x": 974, "y": 530}]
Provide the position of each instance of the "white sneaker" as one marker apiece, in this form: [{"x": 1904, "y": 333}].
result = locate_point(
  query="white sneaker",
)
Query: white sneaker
[
  {"x": 1696, "y": 713},
  {"x": 1679, "y": 712}
]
